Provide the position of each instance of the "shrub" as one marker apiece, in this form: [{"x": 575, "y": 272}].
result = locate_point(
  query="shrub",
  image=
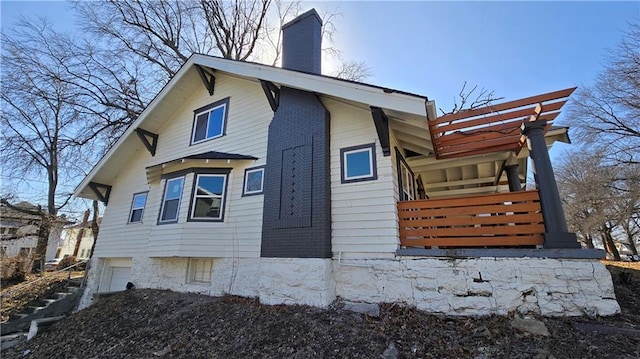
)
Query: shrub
[
  {"x": 67, "y": 262},
  {"x": 14, "y": 269}
]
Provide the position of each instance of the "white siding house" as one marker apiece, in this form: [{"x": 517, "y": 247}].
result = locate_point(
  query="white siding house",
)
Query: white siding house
[{"x": 283, "y": 184}]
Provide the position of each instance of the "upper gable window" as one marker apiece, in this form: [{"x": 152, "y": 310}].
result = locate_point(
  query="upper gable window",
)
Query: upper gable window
[{"x": 210, "y": 121}]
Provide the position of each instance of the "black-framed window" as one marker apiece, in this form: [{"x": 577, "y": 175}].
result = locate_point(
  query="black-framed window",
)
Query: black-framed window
[
  {"x": 253, "y": 181},
  {"x": 406, "y": 179},
  {"x": 208, "y": 196},
  {"x": 210, "y": 122},
  {"x": 137, "y": 207},
  {"x": 358, "y": 163},
  {"x": 171, "y": 200}
]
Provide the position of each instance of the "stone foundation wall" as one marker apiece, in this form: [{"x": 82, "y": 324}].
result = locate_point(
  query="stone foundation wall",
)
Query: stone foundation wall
[{"x": 480, "y": 286}]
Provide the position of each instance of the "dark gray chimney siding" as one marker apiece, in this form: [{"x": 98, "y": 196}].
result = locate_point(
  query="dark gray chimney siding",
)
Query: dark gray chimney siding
[
  {"x": 297, "y": 188},
  {"x": 302, "y": 43}
]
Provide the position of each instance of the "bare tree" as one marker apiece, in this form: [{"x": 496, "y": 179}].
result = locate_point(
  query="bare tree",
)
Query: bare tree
[
  {"x": 353, "y": 71},
  {"x": 236, "y": 25},
  {"x": 600, "y": 199},
  {"x": 471, "y": 100},
  {"x": 165, "y": 34},
  {"x": 607, "y": 114},
  {"x": 40, "y": 117},
  {"x": 58, "y": 102}
]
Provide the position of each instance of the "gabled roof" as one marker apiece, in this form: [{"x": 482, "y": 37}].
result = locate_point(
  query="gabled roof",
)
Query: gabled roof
[{"x": 370, "y": 95}]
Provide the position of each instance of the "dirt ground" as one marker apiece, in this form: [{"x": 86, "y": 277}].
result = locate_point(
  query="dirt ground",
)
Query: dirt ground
[{"x": 163, "y": 324}]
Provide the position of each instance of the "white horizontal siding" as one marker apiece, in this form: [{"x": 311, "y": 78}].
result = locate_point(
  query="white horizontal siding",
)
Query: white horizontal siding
[
  {"x": 117, "y": 238},
  {"x": 363, "y": 214},
  {"x": 239, "y": 234}
]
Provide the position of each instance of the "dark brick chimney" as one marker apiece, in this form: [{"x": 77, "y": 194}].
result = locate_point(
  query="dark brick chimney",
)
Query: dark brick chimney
[{"x": 302, "y": 43}]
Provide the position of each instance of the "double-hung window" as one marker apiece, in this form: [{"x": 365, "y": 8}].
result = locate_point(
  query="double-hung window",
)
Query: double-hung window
[
  {"x": 171, "y": 200},
  {"x": 209, "y": 122},
  {"x": 358, "y": 163},
  {"x": 208, "y": 197},
  {"x": 137, "y": 207}
]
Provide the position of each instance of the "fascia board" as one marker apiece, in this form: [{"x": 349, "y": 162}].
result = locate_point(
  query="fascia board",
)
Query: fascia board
[{"x": 372, "y": 96}]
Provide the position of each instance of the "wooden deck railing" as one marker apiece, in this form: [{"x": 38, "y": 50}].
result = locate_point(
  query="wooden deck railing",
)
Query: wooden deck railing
[{"x": 503, "y": 219}]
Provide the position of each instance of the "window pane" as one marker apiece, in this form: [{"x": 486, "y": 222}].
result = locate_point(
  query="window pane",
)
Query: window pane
[
  {"x": 254, "y": 181},
  {"x": 209, "y": 185},
  {"x": 201, "y": 127},
  {"x": 358, "y": 164},
  {"x": 170, "y": 210},
  {"x": 216, "y": 117},
  {"x": 207, "y": 208},
  {"x": 139, "y": 200},
  {"x": 136, "y": 215},
  {"x": 174, "y": 189}
]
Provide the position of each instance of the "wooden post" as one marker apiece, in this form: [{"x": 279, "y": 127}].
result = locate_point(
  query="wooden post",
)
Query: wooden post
[
  {"x": 557, "y": 234},
  {"x": 513, "y": 178}
]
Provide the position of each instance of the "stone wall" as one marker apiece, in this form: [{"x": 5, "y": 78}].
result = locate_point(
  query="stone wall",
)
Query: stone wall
[{"x": 479, "y": 286}]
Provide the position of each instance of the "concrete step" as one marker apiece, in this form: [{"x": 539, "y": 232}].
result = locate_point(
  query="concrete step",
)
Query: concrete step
[
  {"x": 7, "y": 341},
  {"x": 48, "y": 301},
  {"x": 60, "y": 295},
  {"x": 42, "y": 322},
  {"x": 34, "y": 309},
  {"x": 17, "y": 316}
]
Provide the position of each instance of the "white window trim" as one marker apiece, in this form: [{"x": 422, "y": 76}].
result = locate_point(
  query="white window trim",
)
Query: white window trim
[
  {"x": 195, "y": 197},
  {"x": 247, "y": 172},
  {"x": 164, "y": 199}
]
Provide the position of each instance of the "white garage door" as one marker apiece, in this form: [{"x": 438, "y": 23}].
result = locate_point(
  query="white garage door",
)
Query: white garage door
[{"x": 119, "y": 278}]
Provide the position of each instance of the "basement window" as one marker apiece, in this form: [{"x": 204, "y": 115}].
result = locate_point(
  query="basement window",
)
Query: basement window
[
  {"x": 200, "y": 270},
  {"x": 209, "y": 122},
  {"x": 358, "y": 163}
]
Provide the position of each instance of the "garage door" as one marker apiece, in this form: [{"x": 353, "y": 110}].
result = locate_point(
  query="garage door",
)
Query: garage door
[{"x": 119, "y": 278}]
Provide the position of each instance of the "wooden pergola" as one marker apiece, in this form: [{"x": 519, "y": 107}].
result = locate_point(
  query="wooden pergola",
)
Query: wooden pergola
[
  {"x": 493, "y": 128},
  {"x": 509, "y": 219}
]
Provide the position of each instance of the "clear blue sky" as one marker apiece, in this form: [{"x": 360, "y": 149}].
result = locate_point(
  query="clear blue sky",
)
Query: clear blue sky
[{"x": 516, "y": 49}]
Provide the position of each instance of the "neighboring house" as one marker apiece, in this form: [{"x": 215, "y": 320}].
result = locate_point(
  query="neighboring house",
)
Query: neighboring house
[
  {"x": 19, "y": 231},
  {"x": 76, "y": 240},
  {"x": 293, "y": 187}
]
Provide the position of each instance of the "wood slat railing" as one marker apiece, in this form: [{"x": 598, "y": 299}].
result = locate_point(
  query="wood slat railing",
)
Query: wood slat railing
[{"x": 502, "y": 219}]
